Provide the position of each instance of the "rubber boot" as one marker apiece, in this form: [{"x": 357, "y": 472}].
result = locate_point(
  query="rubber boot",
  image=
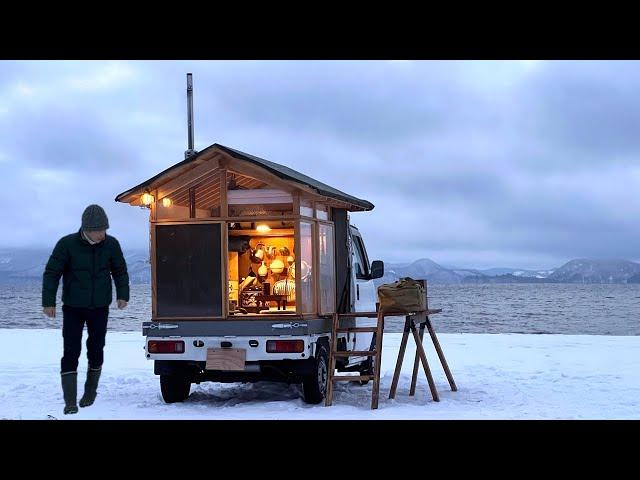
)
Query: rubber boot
[
  {"x": 90, "y": 387},
  {"x": 70, "y": 391}
]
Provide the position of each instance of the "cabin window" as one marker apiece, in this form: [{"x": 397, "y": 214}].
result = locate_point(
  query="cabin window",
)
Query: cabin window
[
  {"x": 306, "y": 274},
  {"x": 261, "y": 257},
  {"x": 322, "y": 212},
  {"x": 326, "y": 270},
  {"x": 306, "y": 208}
]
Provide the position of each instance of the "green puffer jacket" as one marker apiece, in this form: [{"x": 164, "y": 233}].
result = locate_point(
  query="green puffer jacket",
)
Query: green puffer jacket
[{"x": 86, "y": 270}]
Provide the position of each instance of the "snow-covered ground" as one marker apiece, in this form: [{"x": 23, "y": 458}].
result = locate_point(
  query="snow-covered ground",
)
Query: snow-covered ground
[{"x": 506, "y": 376}]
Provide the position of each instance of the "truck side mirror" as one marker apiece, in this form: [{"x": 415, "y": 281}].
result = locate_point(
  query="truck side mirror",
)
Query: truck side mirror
[{"x": 377, "y": 269}]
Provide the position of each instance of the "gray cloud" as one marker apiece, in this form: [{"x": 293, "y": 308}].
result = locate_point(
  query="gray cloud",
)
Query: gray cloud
[{"x": 469, "y": 163}]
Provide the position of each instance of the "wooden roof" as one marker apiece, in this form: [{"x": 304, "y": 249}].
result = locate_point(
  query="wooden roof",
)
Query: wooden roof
[{"x": 202, "y": 171}]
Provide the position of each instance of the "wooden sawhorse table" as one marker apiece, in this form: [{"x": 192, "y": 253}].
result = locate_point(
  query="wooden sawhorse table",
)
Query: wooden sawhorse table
[{"x": 410, "y": 326}]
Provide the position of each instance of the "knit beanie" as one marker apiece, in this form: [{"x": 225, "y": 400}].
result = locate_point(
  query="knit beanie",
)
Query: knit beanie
[{"x": 94, "y": 218}]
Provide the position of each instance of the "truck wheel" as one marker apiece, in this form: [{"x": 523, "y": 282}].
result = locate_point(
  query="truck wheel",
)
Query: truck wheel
[
  {"x": 314, "y": 386},
  {"x": 174, "y": 388}
]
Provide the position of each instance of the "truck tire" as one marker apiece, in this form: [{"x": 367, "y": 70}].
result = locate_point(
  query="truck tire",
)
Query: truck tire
[
  {"x": 174, "y": 388},
  {"x": 314, "y": 386}
]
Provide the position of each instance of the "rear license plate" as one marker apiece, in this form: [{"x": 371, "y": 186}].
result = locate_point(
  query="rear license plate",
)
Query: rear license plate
[{"x": 229, "y": 359}]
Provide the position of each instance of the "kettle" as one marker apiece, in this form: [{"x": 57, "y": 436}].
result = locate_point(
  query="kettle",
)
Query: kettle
[
  {"x": 257, "y": 255},
  {"x": 272, "y": 252}
]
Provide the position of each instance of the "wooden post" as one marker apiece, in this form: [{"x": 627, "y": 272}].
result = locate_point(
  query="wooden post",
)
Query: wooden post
[
  {"x": 332, "y": 360},
  {"x": 403, "y": 346},
  {"x": 377, "y": 361},
  {"x": 443, "y": 361}
]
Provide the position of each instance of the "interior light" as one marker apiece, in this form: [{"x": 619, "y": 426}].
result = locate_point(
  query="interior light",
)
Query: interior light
[
  {"x": 166, "y": 202},
  {"x": 262, "y": 228}
]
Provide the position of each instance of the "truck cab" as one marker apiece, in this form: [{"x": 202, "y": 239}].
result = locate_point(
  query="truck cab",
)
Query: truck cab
[{"x": 249, "y": 261}]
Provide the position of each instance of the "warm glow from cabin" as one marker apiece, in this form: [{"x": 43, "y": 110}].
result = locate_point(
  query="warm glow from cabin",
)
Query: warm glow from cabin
[
  {"x": 263, "y": 228},
  {"x": 147, "y": 199}
]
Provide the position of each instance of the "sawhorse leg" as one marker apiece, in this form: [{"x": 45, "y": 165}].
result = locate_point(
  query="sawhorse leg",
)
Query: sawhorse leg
[
  {"x": 416, "y": 363},
  {"x": 425, "y": 364},
  {"x": 443, "y": 361},
  {"x": 403, "y": 346}
]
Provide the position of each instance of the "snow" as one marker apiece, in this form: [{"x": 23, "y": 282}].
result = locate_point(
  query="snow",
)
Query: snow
[{"x": 499, "y": 376}]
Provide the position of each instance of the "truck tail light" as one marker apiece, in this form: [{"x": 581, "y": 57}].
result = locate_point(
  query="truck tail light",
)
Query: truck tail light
[
  {"x": 166, "y": 346},
  {"x": 285, "y": 346}
]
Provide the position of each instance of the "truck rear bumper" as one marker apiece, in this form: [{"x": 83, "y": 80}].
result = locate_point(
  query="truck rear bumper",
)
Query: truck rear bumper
[
  {"x": 195, "y": 348},
  {"x": 291, "y": 371}
]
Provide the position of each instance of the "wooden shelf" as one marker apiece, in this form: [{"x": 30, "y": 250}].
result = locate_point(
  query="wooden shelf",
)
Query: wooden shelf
[{"x": 276, "y": 232}]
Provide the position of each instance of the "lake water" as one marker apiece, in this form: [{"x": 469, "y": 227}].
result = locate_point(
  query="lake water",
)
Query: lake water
[{"x": 494, "y": 308}]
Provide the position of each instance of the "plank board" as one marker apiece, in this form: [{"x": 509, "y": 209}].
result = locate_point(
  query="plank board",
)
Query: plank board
[{"x": 227, "y": 359}]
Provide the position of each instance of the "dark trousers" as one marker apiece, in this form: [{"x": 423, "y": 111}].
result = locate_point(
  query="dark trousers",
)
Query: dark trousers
[{"x": 73, "y": 320}]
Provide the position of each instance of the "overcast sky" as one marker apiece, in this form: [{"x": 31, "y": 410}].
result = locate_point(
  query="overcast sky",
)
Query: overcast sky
[{"x": 478, "y": 164}]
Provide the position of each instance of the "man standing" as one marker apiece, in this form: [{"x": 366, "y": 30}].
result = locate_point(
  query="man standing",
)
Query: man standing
[{"x": 86, "y": 260}]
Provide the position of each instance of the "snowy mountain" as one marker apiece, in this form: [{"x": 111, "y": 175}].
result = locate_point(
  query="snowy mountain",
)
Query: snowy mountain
[
  {"x": 516, "y": 272},
  {"x": 575, "y": 271},
  {"x": 420, "y": 269},
  {"x": 596, "y": 271}
]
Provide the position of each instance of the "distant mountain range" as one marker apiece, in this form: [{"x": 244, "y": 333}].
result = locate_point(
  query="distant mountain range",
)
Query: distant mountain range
[
  {"x": 27, "y": 265},
  {"x": 575, "y": 271}
]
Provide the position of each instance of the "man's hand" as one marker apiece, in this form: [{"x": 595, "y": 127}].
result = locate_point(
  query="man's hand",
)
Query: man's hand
[
  {"x": 49, "y": 311},
  {"x": 121, "y": 304}
]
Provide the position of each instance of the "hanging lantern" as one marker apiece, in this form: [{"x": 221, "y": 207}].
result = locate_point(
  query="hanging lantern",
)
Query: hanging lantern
[
  {"x": 147, "y": 198},
  {"x": 167, "y": 202},
  {"x": 277, "y": 266}
]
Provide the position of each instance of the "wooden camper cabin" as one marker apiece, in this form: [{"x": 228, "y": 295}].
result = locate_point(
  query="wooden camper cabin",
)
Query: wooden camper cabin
[{"x": 210, "y": 216}]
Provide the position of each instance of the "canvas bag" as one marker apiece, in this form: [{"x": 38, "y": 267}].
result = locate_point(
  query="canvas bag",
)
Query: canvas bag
[{"x": 404, "y": 296}]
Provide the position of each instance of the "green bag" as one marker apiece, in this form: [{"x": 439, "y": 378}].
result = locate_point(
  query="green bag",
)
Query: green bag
[{"x": 404, "y": 296}]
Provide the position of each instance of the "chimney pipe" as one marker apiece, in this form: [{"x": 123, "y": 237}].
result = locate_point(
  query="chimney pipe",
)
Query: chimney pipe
[{"x": 190, "y": 150}]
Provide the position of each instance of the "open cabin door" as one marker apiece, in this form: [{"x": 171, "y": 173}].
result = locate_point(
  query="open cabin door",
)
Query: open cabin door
[{"x": 189, "y": 270}]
